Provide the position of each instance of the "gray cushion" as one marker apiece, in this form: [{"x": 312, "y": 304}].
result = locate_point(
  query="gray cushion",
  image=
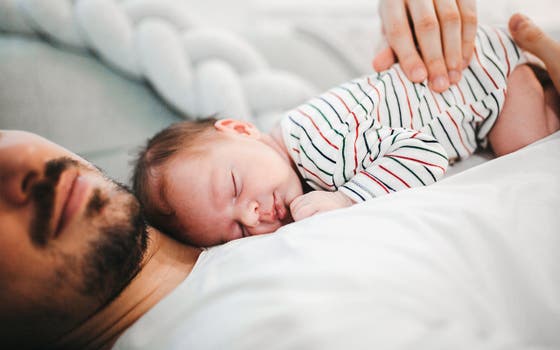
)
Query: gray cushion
[{"x": 74, "y": 100}]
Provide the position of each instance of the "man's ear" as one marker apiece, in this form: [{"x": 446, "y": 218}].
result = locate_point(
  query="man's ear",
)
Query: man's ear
[{"x": 238, "y": 127}]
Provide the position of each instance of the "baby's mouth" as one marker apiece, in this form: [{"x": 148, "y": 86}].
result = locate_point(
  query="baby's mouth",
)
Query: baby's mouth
[{"x": 280, "y": 210}]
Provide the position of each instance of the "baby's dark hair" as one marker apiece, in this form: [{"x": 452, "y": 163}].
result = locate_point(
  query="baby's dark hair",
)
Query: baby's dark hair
[{"x": 160, "y": 149}]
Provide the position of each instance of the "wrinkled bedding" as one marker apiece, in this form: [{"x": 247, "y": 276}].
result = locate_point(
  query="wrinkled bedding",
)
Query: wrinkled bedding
[{"x": 471, "y": 262}]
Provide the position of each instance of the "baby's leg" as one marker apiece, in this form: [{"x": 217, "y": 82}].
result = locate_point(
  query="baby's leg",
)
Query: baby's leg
[{"x": 530, "y": 112}]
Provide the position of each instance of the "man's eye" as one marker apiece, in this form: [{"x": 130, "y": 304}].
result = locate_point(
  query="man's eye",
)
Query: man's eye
[{"x": 234, "y": 185}]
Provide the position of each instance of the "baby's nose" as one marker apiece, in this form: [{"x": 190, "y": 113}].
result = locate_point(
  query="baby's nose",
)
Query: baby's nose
[{"x": 250, "y": 214}]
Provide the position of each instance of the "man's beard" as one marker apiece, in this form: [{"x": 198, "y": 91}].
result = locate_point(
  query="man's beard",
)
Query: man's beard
[{"x": 113, "y": 258}]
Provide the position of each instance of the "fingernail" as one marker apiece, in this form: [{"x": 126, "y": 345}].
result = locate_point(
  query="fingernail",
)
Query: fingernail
[
  {"x": 440, "y": 83},
  {"x": 454, "y": 76},
  {"x": 419, "y": 74},
  {"x": 466, "y": 62}
]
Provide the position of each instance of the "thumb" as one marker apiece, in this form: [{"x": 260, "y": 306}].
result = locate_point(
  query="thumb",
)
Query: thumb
[{"x": 533, "y": 39}]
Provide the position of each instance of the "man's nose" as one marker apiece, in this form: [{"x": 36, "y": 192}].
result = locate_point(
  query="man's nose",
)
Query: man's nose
[{"x": 18, "y": 172}]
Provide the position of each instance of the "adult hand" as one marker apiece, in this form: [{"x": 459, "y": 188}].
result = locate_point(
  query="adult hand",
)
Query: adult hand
[
  {"x": 445, "y": 31},
  {"x": 315, "y": 202},
  {"x": 531, "y": 38}
]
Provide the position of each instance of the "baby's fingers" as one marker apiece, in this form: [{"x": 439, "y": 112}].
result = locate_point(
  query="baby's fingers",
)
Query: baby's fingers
[
  {"x": 302, "y": 211},
  {"x": 296, "y": 207}
]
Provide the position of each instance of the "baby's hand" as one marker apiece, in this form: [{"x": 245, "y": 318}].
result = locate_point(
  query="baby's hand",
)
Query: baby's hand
[{"x": 316, "y": 202}]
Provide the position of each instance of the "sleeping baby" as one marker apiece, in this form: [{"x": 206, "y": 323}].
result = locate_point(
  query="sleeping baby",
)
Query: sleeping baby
[{"x": 211, "y": 181}]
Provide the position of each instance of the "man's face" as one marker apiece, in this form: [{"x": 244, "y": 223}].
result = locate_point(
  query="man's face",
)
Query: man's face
[
  {"x": 238, "y": 187},
  {"x": 70, "y": 239}
]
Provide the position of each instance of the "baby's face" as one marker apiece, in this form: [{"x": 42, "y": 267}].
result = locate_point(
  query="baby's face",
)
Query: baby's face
[{"x": 238, "y": 187}]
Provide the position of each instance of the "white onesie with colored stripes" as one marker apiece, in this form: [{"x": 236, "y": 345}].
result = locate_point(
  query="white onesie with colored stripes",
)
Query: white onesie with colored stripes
[{"x": 382, "y": 133}]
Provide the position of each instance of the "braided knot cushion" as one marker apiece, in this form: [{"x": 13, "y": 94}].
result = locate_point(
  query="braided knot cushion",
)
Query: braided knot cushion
[{"x": 196, "y": 69}]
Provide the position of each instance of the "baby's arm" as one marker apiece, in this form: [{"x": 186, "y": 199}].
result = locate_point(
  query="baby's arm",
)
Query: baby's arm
[{"x": 395, "y": 159}]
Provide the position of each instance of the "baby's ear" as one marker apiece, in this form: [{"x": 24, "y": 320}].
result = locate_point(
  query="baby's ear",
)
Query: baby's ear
[{"x": 238, "y": 127}]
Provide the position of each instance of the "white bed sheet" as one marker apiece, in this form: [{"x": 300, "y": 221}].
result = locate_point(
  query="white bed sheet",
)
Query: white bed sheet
[{"x": 471, "y": 262}]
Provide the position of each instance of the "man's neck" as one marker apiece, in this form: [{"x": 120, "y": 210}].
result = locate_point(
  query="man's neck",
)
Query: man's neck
[{"x": 167, "y": 263}]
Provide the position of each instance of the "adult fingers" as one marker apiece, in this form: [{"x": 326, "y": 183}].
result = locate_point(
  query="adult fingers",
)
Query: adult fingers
[
  {"x": 428, "y": 34},
  {"x": 450, "y": 26},
  {"x": 533, "y": 39},
  {"x": 399, "y": 36},
  {"x": 384, "y": 60},
  {"x": 469, "y": 22}
]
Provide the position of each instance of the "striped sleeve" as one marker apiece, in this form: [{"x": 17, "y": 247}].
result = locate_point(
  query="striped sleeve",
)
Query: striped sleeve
[
  {"x": 398, "y": 159},
  {"x": 497, "y": 56}
]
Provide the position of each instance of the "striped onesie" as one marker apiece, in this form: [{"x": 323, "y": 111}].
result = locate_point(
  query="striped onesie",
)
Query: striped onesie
[{"x": 382, "y": 133}]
